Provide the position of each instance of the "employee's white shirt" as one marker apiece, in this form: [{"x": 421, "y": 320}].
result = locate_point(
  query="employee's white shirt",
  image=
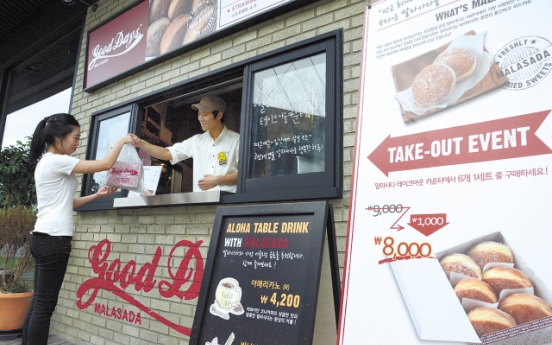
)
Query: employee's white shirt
[{"x": 211, "y": 157}]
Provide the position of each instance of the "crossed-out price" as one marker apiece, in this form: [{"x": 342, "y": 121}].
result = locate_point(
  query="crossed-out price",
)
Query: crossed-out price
[
  {"x": 284, "y": 300},
  {"x": 378, "y": 211},
  {"x": 403, "y": 249}
]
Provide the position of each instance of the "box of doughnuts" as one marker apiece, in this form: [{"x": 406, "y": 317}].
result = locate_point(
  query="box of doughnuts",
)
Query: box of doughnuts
[{"x": 481, "y": 291}]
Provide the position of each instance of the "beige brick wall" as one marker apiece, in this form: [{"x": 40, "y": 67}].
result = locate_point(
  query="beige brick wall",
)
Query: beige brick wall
[{"x": 136, "y": 233}]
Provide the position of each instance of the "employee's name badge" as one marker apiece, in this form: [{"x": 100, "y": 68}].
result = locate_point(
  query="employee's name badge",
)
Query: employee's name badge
[{"x": 222, "y": 158}]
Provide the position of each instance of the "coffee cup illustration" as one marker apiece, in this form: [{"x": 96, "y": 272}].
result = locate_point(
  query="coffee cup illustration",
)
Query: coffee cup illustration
[
  {"x": 228, "y": 294},
  {"x": 227, "y": 299}
]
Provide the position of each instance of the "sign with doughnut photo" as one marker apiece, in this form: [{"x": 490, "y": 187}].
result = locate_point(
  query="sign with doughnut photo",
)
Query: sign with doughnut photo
[
  {"x": 448, "y": 241},
  {"x": 151, "y": 30}
]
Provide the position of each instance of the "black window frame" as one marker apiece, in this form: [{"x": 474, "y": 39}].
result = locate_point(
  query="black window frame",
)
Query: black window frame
[
  {"x": 104, "y": 203},
  {"x": 328, "y": 184},
  {"x": 316, "y": 185}
]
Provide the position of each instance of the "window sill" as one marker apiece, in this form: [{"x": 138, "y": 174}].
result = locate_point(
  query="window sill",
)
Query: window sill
[{"x": 168, "y": 199}]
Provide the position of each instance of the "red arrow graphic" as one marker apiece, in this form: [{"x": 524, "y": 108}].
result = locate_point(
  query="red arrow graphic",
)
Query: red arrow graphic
[
  {"x": 396, "y": 226},
  {"x": 506, "y": 138}
]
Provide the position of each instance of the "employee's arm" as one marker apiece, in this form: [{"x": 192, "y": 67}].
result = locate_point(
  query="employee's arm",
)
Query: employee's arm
[
  {"x": 156, "y": 151},
  {"x": 210, "y": 181}
]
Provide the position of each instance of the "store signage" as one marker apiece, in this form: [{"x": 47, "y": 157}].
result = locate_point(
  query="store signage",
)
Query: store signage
[
  {"x": 452, "y": 163},
  {"x": 117, "y": 46},
  {"x": 116, "y": 277},
  {"x": 264, "y": 265},
  {"x": 152, "y": 31}
]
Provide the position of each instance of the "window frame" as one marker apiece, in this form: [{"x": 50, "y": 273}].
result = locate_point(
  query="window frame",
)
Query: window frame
[
  {"x": 329, "y": 183},
  {"x": 93, "y": 136},
  {"x": 308, "y": 185}
]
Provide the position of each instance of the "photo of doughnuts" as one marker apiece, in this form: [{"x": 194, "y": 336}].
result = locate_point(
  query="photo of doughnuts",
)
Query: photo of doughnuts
[
  {"x": 499, "y": 298},
  {"x": 444, "y": 77},
  {"x": 175, "y": 23}
]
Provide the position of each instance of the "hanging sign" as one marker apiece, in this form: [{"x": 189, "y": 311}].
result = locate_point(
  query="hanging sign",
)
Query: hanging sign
[{"x": 153, "y": 31}]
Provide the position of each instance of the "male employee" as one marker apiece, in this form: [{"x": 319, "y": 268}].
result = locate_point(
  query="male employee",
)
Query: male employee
[{"x": 215, "y": 152}]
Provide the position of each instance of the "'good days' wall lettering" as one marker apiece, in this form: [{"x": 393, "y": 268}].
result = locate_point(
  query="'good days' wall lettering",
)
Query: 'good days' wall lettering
[{"x": 115, "y": 277}]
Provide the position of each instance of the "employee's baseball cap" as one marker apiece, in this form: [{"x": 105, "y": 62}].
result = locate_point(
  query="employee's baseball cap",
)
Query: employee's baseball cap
[{"x": 209, "y": 104}]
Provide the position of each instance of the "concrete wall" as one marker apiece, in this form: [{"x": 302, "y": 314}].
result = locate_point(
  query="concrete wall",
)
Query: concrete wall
[{"x": 136, "y": 234}]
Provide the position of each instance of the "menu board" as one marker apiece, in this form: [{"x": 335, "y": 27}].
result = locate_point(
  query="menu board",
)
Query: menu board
[
  {"x": 448, "y": 239},
  {"x": 263, "y": 276}
]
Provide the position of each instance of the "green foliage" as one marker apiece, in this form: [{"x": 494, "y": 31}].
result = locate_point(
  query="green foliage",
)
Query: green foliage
[
  {"x": 16, "y": 223},
  {"x": 17, "y": 185},
  {"x": 17, "y": 215}
]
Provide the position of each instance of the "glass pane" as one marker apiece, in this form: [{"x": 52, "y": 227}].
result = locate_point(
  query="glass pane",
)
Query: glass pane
[
  {"x": 109, "y": 131},
  {"x": 288, "y": 132},
  {"x": 30, "y": 116}
]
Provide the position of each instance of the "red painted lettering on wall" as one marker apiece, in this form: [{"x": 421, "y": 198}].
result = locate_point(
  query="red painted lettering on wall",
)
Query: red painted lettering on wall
[
  {"x": 118, "y": 313},
  {"x": 116, "y": 277}
]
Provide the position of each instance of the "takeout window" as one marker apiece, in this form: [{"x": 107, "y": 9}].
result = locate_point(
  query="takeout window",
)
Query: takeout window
[
  {"x": 287, "y": 106},
  {"x": 173, "y": 121}
]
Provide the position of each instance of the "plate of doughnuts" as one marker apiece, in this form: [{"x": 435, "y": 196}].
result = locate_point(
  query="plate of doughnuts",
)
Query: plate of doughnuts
[{"x": 444, "y": 77}]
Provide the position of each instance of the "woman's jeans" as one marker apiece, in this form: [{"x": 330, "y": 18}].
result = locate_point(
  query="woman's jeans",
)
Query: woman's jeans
[{"x": 51, "y": 254}]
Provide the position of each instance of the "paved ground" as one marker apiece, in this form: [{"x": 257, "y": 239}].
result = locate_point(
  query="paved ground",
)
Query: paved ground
[{"x": 52, "y": 340}]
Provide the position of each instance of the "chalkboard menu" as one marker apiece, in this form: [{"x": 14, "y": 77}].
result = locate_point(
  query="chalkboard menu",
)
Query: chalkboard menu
[
  {"x": 289, "y": 107},
  {"x": 262, "y": 278}
]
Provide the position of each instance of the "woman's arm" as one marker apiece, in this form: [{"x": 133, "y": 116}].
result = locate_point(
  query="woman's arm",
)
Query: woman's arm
[
  {"x": 104, "y": 191},
  {"x": 92, "y": 166}
]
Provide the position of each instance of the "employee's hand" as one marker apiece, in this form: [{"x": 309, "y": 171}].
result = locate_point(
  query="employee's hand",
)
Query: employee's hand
[
  {"x": 135, "y": 141},
  {"x": 207, "y": 182}
]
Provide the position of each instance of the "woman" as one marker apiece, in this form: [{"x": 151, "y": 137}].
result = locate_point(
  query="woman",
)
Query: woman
[{"x": 54, "y": 140}]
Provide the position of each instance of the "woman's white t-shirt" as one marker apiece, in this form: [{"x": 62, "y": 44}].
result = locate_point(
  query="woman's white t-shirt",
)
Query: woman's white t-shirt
[{"x": 55, "y": 190}]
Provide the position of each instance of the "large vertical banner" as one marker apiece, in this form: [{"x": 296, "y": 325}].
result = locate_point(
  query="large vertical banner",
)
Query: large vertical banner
[{"x": 449, "y": 238}]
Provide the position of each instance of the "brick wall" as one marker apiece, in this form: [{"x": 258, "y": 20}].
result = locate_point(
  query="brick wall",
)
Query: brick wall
[{"x": 136, "y": 234}]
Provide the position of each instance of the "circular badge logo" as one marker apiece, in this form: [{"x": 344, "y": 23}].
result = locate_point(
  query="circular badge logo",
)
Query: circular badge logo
[
  {"x": 222, "y": 158},
  {"x": 524, "y": 63}
]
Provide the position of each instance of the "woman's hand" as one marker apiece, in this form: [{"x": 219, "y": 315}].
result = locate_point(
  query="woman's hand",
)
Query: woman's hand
[
  {"x": 105, "y": 191},
  {"x": 127, "y": 139}
]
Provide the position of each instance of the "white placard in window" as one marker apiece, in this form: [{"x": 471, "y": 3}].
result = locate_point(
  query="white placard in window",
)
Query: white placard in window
[{"x": 151, "y": 180}]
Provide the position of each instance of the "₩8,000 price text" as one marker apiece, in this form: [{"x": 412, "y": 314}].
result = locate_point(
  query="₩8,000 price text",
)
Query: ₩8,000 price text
[{"x": 403, "y": 250}]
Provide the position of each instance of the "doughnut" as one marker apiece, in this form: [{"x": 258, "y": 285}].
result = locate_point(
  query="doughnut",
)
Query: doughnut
[
  {"x": 490, "y": 251},
  {"x": 460, "y": 263},
  {"x": 202, "y": 20},
  {"x": 178, "y": 7},
  {"x": 158, "y": 9},
  {"x": 475, "y": 289},
  {"x": 525, "y": 308},
  {"x": 155, "y": 33},
  {"x": 500, "y": 278},
  {"x": 489, "y": 320},
  {"x": 433, "y": 84},
  {"x": 461, "y": 60},
  {"x": 172, "y": 39}
]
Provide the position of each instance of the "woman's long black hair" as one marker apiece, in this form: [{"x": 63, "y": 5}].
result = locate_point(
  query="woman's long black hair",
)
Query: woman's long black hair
[{"x": 48, "y": 129}]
